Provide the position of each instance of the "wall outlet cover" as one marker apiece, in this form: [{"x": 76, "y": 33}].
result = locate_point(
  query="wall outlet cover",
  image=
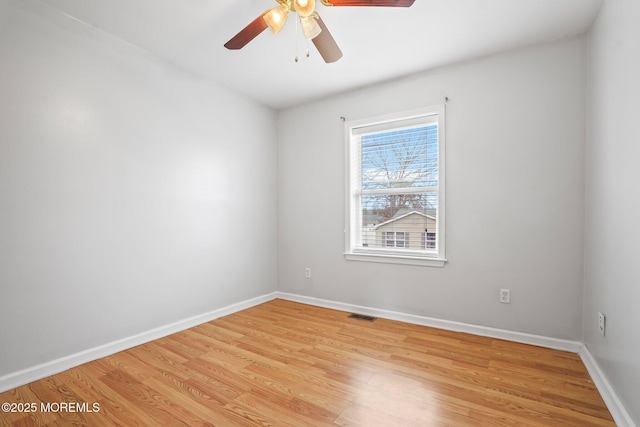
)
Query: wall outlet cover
[
  {"x": 505, "y": 296},
  {"x": 602, "y": 323}
]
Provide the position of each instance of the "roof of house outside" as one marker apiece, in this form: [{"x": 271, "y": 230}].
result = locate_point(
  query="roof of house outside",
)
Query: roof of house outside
[{"x": 403, "y": 213}]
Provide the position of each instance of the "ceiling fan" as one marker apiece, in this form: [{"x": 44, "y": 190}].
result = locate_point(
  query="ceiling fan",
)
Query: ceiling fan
[{"x": 312, "y": 25}]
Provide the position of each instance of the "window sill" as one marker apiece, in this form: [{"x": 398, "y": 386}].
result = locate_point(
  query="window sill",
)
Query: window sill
[{"x": 395, "y": 259}]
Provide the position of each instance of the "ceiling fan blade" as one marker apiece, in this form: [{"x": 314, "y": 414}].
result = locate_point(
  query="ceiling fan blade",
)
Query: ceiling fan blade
[
  {"x": 247, "y": 34},
  {"x": 326, "y": 44},
  {"x": 385, "y": 3}
]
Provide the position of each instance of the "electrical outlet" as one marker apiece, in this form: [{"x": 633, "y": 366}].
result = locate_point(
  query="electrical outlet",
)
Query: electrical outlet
[
  {"x": 307, "y": 273},
  {"x": 505, "y": 296},
  {"x": 602, "y": 323}
]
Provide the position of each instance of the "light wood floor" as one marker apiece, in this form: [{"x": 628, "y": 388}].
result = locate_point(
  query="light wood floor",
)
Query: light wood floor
[{"x": 288, "y": 364}]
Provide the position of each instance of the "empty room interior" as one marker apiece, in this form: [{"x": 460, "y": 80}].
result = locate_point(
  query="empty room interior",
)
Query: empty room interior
[{"x": 316, "y": 213}]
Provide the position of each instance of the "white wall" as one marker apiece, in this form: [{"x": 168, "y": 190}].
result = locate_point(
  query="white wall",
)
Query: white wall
[
  {"x": 132, "y": 195},
  {"x": 612, "y": 229},
  {"x": 515, "y": 164}
]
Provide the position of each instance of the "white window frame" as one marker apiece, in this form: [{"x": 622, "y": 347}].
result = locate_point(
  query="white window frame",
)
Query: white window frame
[
  {"x": 395, "y": 240},
  {"x": 426, "y": 242},
  {"x": 354, "y": 251}
]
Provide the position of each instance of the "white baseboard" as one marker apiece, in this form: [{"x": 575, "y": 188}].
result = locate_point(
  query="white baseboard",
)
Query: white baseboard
[
  {"x": 619, "y": 413},
  {"x": 25, "y": 376},
  {"x": 541, "y": 341}
]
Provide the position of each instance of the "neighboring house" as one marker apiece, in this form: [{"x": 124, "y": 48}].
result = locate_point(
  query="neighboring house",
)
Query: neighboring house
[{"x": 410, "y": 230}]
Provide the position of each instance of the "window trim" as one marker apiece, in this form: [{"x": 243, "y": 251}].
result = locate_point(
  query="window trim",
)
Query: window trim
[{"x": 434, "y": 259}]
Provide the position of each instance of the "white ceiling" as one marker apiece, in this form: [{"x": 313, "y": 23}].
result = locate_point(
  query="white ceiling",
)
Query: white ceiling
[{"x": 378, "y": 43}]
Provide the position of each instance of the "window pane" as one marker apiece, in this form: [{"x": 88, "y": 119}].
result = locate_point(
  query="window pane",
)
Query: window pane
[
  {"x": 400, "y": 158},
  {"x": 399, "y": 220}
]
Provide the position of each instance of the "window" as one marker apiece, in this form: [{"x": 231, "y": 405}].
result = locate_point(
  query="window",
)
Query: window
[
  {"x": 393, "y": 239},
  {"x": 428, "y": 240},
  {"x": 395, "y": 188}
]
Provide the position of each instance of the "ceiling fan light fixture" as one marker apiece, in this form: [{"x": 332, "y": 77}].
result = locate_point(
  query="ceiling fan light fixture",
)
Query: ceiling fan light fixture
[
  {"x": 276, "y": 17},
  {"x": 310, "y": 27},
  {"x": 313, "y": 26},
  {"x": 304, "y": 7}
]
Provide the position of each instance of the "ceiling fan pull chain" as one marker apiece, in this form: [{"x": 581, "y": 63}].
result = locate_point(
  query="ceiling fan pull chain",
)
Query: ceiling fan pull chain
[{"x": 296, "y": 58}]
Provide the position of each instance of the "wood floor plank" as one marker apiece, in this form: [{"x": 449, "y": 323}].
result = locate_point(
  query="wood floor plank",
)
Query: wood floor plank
[
  {"x": 251, "y": 403},
  {"x": 288, "y": 364},
  {"x": 87, "y": 378},
  {"x": 303, "y": 386}
]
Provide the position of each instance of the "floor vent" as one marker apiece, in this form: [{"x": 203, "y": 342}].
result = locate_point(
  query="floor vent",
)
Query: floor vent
[{"x": 362, "y": 317}]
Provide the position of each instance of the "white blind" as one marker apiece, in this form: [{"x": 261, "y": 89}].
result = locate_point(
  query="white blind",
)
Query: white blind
[
  {"x": 395, "y": 124},
  {"x": 405, "y": 158}
]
